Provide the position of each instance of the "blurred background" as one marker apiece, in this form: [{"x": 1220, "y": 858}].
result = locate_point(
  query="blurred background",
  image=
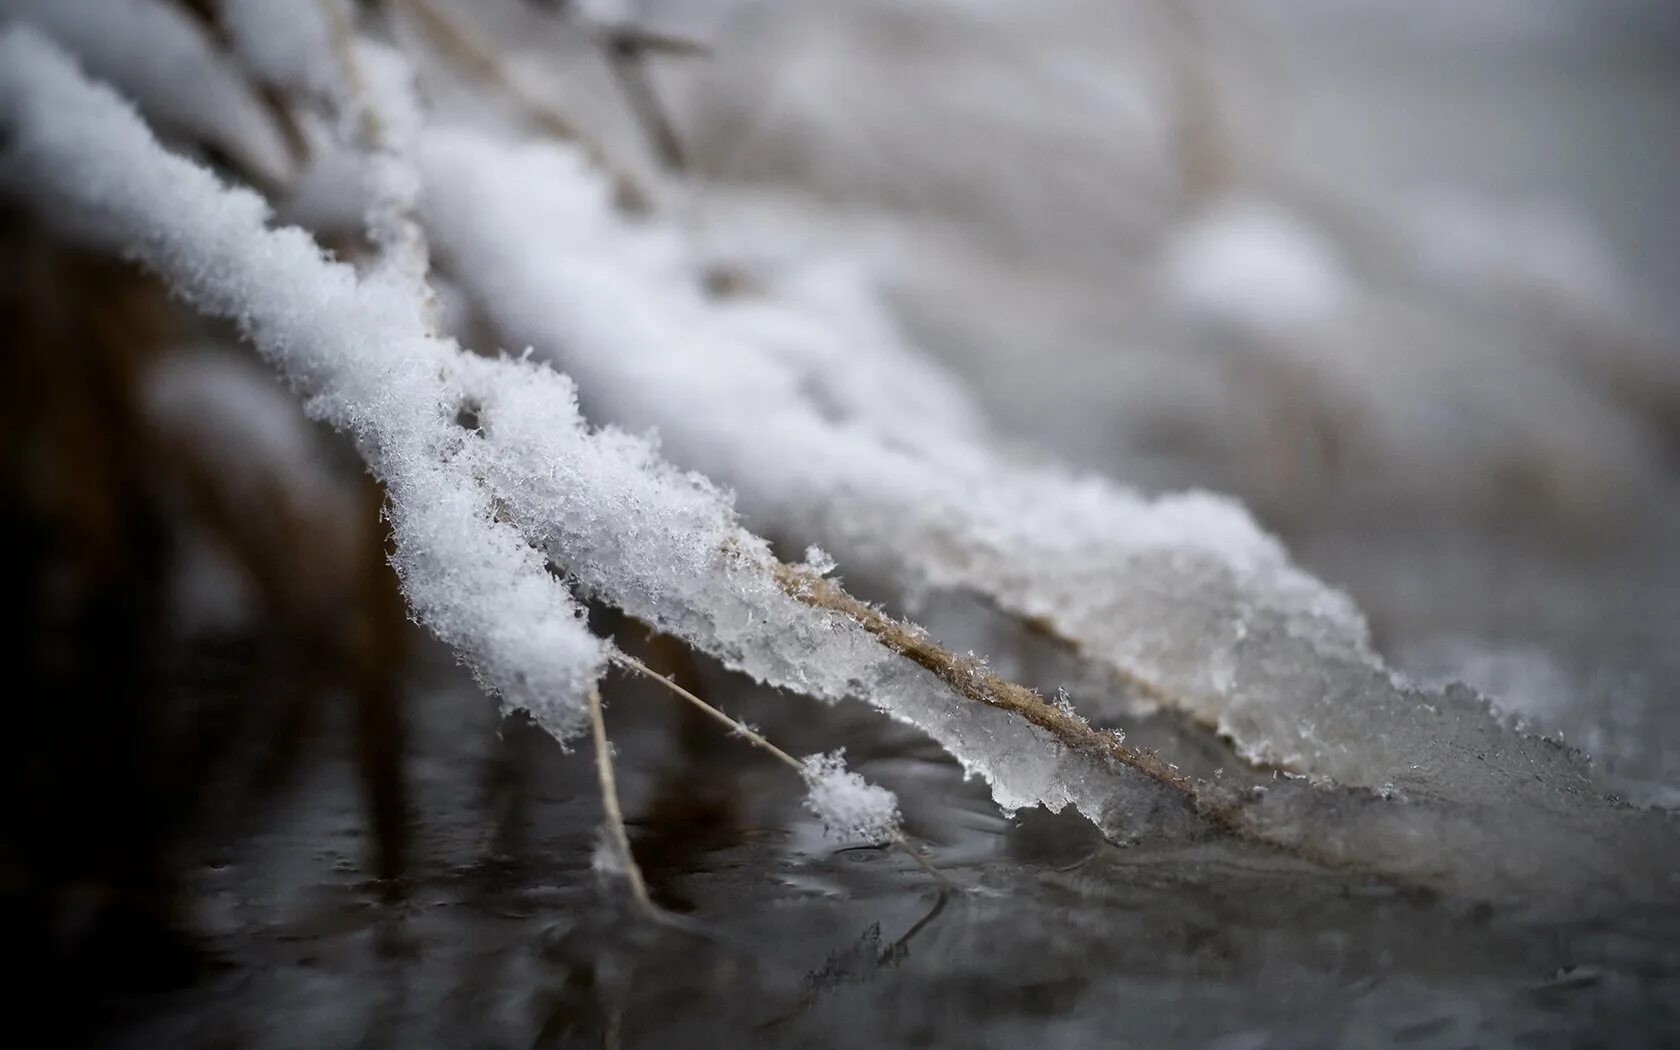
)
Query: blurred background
[{"x": 1398, "y": 275}]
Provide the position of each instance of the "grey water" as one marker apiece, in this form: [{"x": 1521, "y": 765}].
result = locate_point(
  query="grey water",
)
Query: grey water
[{"x": 501, "y": 934}]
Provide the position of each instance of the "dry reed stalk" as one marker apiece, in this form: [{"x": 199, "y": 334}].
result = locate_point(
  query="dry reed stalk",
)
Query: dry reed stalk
[
  {"x": 758, "y": 740},
  {"x": 614, "y": 815},
  {"x": 971, "y": 679}
]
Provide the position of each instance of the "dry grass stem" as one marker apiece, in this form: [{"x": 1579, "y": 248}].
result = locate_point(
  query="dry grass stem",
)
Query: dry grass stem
[
  {"x": 614, "y": 815},
  {"x": 971, "y": 679},
  {"x": 757, "y": 739},
  {"x": 627, "y": 61}
]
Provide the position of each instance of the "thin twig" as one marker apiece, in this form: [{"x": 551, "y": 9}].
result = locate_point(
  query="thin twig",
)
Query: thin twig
[
  {"x": 751, "y": 735},
  {"x": 629, "y": 69},
  {"x": 757, "y": 739},
  {"x": 614, "y": 816}
]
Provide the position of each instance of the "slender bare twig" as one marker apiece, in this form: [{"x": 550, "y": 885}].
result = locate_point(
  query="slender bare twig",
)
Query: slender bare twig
[
  {"x": 757, "y": 739},
  {"x": 629, "y": 67},
  {"x": 614, "y": 816}
]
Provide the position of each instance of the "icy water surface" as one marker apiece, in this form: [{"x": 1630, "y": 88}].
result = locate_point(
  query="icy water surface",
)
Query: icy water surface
[{"x": 505, "y": 937}]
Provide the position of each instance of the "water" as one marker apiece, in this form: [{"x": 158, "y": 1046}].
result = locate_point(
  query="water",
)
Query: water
[{"x": 504, "y": 936}]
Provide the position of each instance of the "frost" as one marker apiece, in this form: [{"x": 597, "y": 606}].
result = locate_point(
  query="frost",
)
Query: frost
[
  {"x": 819, "y": 561},
  {"x": 605, "y": 858},
  {"x": 849, "y": 806}
]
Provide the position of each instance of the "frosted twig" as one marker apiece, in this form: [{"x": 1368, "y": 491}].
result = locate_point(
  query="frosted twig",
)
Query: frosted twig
[
  {"x": 614, "y": 816},
  {"x": 357, "y": 349},
  {"x": 1186, "y": 590},
  {"x": 758, "y": 740},
  {"x": 468, "y": 50},
  {"x": 378, "y": 96},
  {"x": 343, "y": 37},
  {"x": 150, "y": 50},
  {"x": 480, "y": 515}
]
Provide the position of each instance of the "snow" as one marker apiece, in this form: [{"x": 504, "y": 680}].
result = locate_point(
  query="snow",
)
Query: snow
[
  {"x": 1253, "y": 263},
  {"x": 1183, "y": 594},
  {"x": 848, "y": 806},
  {"x": 358, "y": 351},
  {"x": 466, "y": 509},
  {"x": 792, "y": 405},
  {"x": 155, "y": 54},
  {"x": 389, "y": 176}
]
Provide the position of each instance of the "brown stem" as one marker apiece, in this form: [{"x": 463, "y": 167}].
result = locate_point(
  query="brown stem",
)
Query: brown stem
[
  {"x": 970, "y": 678},
  {"x": 613, "y": 815},
  {"x": 758, "y": 740}
]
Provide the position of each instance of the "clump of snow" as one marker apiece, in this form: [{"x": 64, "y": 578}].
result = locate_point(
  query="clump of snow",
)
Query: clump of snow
[
  {"x": 606, "y": 860},
  {"x": 606, "y": 12},
  {"x": 819, "y": 561},
  {"x": 359, "y": 350},
  {"x": 1526, "y": 246},
  {"x": 1251, "y": 262},
  {"x": 849, "y": 806}
]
